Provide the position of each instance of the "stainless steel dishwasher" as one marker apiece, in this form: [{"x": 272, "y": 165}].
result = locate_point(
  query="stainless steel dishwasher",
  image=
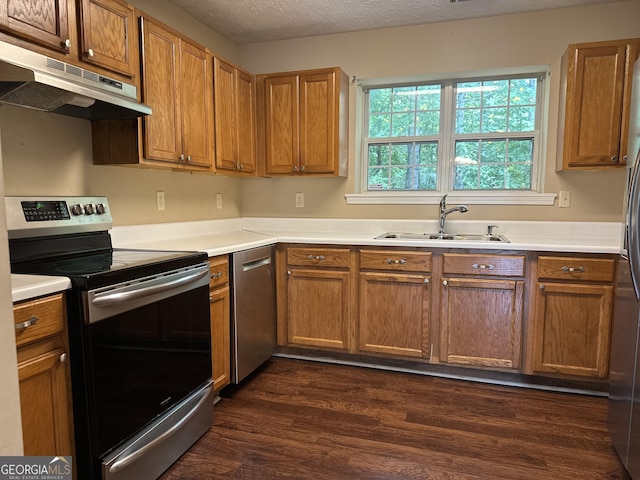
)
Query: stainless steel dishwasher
[{"x": 253, "y": 316}]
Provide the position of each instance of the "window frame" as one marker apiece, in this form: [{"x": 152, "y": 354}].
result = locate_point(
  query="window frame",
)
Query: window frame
[{"x": 447, "y": 139}]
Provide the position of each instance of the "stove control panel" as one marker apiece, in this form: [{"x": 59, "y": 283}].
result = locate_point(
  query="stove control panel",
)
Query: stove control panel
[{"x": 41, "y": 216}]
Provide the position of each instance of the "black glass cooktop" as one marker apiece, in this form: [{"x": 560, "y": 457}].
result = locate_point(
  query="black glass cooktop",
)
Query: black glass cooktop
[{"x": 109, "y": 267}]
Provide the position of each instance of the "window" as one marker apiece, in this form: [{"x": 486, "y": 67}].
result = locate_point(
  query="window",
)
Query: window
[{"x": 463, "y": 135}]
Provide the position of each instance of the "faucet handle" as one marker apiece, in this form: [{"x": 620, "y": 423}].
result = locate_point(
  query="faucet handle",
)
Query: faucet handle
[
  {"x": 490, "y": 229},
  {"x": 443, "y": 203}
]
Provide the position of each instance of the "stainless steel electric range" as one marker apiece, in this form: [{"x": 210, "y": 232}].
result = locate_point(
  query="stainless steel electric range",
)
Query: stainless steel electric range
[{"x": 139, "y": 333}]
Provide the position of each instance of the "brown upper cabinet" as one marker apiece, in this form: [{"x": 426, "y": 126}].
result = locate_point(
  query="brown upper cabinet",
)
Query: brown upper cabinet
[
  {"x": 43, "y": 22},
  {"x": 176, "y": 84},
  {"x": 108, "y": 36},
  {"x": 235, "y": 118},
  {"x": 302, "y": 122},
  {"x": 594, "y": 115}
]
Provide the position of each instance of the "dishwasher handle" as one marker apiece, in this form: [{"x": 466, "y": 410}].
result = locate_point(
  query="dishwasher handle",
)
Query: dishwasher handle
[{"x": 253, "y": 264}]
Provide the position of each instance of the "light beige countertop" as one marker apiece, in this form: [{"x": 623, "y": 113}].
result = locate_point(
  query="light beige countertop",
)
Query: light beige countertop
[
  {"x": 220, "y": 237},
  {"x": 25, "y": 287}
]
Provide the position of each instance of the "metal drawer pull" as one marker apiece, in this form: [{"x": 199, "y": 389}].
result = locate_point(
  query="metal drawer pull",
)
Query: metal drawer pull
[
  {"x": 445, "y": 283},
  {"x": 217, "y": 275},
  {"x": 316, "y": 257},
  {"x": 21, "y": 326},
  {"x": 63, "y": 357},
  {"x": 573, "y": 269},
  {"x": 390, "y": 261},
  {"x": 482, "y": 266},
  {"x": 541, "y": 287},
  {"x": 426, "y": 281}
]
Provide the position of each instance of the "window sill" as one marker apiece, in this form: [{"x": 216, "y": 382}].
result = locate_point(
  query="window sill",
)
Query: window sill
[{"x": 469, "y": 198}]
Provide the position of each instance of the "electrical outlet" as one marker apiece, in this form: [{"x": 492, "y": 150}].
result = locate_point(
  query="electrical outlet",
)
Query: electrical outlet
[
  {"x": 299, "y": 200},
  {"x": 160, "y": 200},
  {"x": 218, "y": 200},
  {"x": 564, "y": 201}
]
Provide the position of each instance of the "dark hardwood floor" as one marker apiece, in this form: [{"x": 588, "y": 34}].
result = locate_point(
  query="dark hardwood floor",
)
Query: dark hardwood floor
[{"x": 305, "y": 420}]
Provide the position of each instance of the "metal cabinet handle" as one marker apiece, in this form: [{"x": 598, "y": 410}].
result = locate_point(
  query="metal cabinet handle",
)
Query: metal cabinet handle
[
  {"x": 295, "y": 168},
  {"x": 391, "y": 261},
  {"x": 216, "y": 275},
  {"x": 188, "y": 158},
  {"x": 63, "y": 357},
  {"x": 67, "y": 43},
  {"x": 426, "y": 281},
  {"x": 302, "y": 168},
  {"x": 315, "y": 257},
  {"x": 541, "y": 287},
  {"x": 181, "y": 157},
  {"x": 445, "y": 283},
  {"x": 624, "y": 159},
  {"x": 573, "y": 269},
  {"x": 482, "y": 266},
  {"x": 614, "y": 158},
  {"x": 288, "y": 272},
  {"x": 90, "y": 52},
  {"x": 21, "y": 326}
]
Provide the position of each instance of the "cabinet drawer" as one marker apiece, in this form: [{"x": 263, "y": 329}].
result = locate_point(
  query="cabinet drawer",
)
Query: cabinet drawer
[
  {"x": 38, "y": 319},
  {"x": 395, "y": 260},
  {"x": 319, "y": 257},
  {"x": 219, "y": 271},
  {"x": 489, "y": 265},
  {"x": 576, "y": 268}
]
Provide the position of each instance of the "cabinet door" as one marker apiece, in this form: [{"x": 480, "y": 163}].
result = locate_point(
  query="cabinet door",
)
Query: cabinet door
[
  {"x": 633, "y": 53},
  {"x": 281, "y": 124},
  {"x": 195, "y": 89},
  {"x": 319, "y": 307},
  {"x": 572, "y": 329},
  {"x": 44, "y": 22},
  {"x": 394, "y": 314},
  {"x": 246, "y": 122},
  {"x": 225, "y": 115},
  {"x": 220, "y": 338},
  {"x": 318, "y": 123},
  {"x": 161, "y": 83},
  {"x": 482, "y": 322},
  {"x": 107, "y": 36},
  {"x": 593, "y": 119},
  {"x": 45, "y": 405}
]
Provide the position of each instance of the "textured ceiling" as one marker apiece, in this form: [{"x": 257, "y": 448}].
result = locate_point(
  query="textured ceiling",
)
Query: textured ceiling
[{"x": 249, "y": 21}]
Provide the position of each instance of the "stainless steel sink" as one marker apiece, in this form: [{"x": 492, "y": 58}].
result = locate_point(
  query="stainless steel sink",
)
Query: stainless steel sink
[{"x": 469, "y": 237}]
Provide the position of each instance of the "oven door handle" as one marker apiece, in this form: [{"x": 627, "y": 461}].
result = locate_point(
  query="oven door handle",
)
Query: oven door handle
[
  {"x": 130, "y": 458},
  {"x": 109, "y": 299}
]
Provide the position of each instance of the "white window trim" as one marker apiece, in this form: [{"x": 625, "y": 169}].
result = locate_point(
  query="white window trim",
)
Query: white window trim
[
  {"x": 469, "y": 198},
  {"x": 536, "y": 196}
]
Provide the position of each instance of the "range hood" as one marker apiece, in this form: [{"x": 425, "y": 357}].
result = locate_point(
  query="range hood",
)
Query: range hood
[{"x": 29, "y": 79}]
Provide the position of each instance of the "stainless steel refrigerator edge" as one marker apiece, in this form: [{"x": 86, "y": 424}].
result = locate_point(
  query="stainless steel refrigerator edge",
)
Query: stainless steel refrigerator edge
[
  {"x": 624, "y": 374},
  {"x": 253, "y": 323}
]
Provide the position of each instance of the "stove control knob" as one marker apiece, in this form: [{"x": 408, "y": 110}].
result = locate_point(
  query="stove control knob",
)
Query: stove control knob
[
  {"x": 76, "y": 209},
  {"x": 100, "y": 210},
  {"x": 88, "y": 209}
]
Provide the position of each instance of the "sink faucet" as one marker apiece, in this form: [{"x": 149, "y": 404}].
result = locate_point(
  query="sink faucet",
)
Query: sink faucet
[{"x": 444, "y": 212}]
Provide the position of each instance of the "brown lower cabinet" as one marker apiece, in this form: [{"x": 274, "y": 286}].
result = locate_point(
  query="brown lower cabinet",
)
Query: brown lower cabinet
[
  {"x": 573, "y": 310},
  {"x": 528, "y": 312},
  {"x": 395, "y": 302},
  {"x": 44, "y": 376},
  {"x": 481, "y": 310},
  {"x": 220, "y": 321},
  {"x": 316, "y": 308}
]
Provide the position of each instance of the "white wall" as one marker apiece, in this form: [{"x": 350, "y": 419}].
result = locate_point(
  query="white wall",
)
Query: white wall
[{"x": 10, "y": 420}]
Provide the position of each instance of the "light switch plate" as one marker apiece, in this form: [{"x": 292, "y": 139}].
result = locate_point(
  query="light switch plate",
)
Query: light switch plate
[
  {"x": 564, "y": 199},
  {"x": 218, "y": 200},
  {"x": 299, "y": 200}
]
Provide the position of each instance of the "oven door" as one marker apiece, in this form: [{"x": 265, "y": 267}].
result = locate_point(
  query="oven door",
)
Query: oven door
[{"x": 147, "y": 346}]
